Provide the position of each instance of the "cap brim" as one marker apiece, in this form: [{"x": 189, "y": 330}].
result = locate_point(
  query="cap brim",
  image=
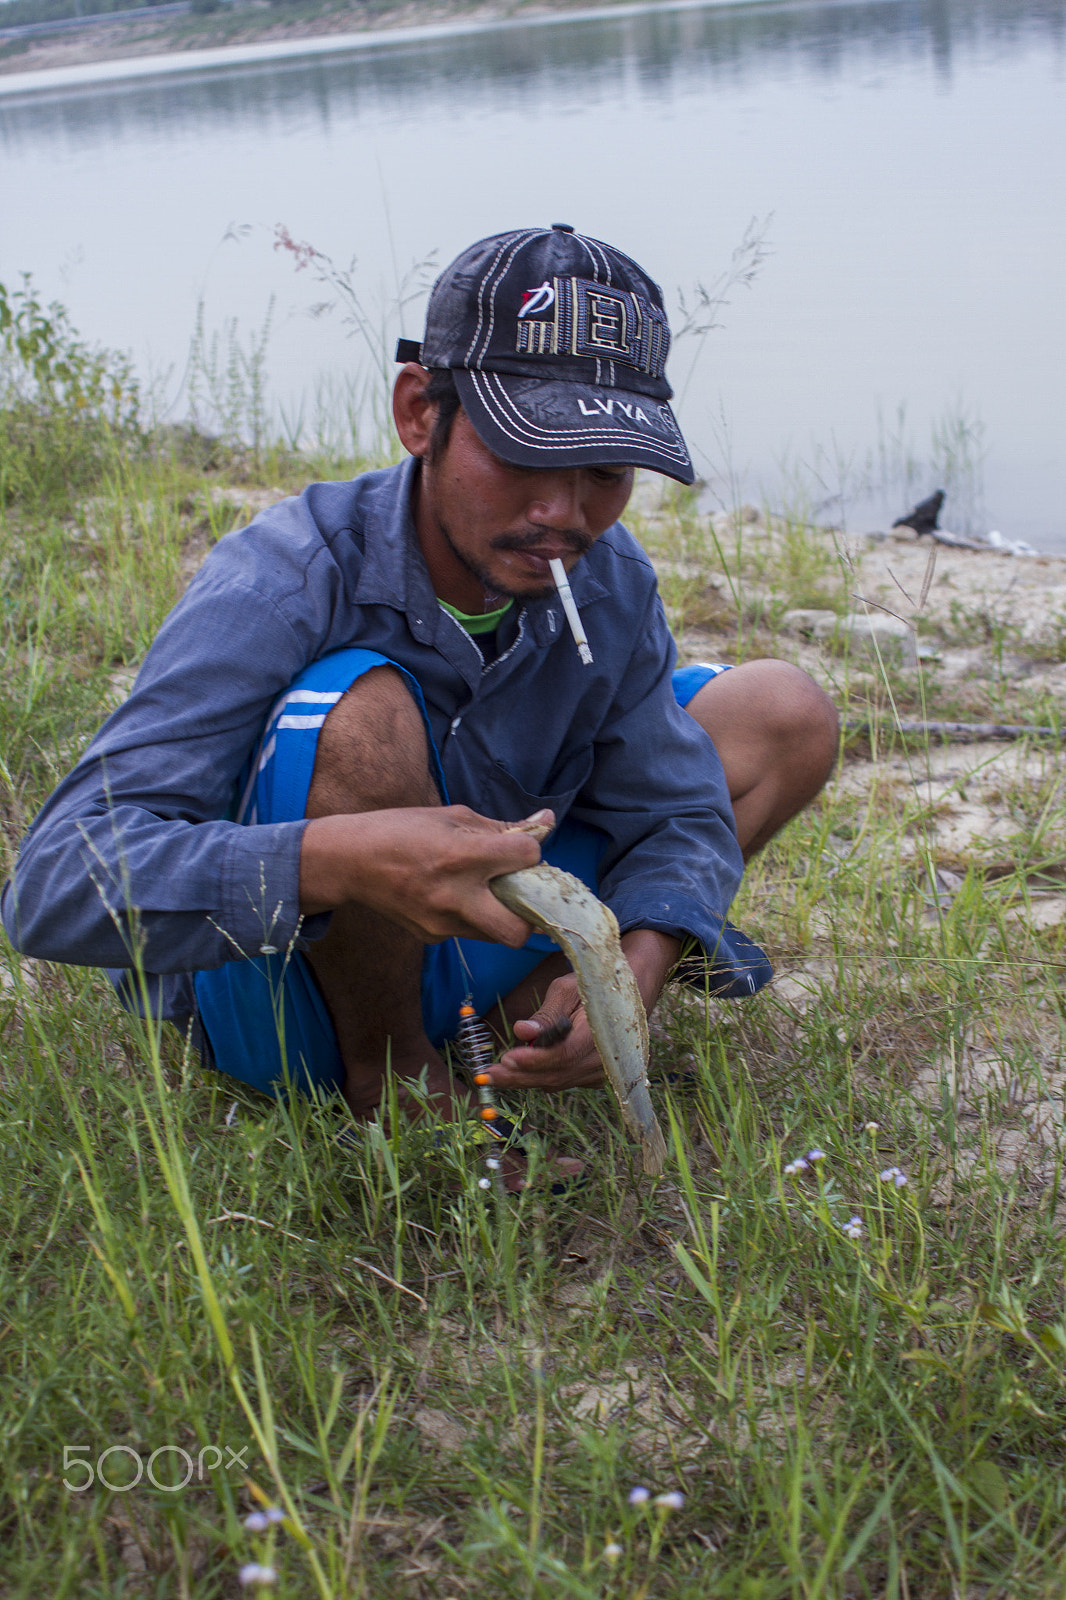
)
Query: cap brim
[{"x": 532, "y": 422}]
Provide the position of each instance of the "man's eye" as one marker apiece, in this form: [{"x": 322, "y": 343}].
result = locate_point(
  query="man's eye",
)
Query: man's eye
[{"x": 612, "y": 475}]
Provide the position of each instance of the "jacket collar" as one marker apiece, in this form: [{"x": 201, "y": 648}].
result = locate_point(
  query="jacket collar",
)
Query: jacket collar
[{"x": 393, "y": 571}]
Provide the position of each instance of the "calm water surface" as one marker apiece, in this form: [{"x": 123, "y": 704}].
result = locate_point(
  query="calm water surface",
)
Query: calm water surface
[{"x": 911, "y": 154}]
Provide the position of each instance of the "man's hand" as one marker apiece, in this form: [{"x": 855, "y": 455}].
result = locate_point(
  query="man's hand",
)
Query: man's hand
[
  {"x": 426, "y": 868},
  {"x": 572, "y": 1061}
]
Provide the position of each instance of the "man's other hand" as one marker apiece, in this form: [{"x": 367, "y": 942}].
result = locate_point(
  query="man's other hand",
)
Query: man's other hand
[
  {"x": 573, "y": 1061},
  {"x": 426, "y": 868}
]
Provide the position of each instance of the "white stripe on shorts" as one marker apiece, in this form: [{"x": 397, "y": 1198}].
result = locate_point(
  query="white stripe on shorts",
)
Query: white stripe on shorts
[
  {"x": 290, "y": 721},
  {"x": 281, "y": 720}
]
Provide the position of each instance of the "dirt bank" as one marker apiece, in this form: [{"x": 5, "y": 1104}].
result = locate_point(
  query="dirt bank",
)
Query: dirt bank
[{"x": 256, "y": 22}]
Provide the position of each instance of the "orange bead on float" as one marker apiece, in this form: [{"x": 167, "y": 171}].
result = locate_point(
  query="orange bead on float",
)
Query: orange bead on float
[
  {"x": 482, "y": 1077},
  {"x": 488, "y": 1113}
]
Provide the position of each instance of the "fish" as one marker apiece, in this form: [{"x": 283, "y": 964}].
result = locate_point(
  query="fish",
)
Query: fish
[{"x": 560, "y": 905}]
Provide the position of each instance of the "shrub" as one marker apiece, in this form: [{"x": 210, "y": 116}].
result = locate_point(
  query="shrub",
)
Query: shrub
[{"x": 63, "y": 403}]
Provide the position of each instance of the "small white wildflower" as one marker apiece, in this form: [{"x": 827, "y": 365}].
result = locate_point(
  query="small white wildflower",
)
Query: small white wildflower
[
  {"x": 893, "y": 1175},
  {"x": 799, "y": 1165},
  {"x": 255, "y": 1522},
  {"x": 253, "y": 1574},
  {"x": 612, "y": 1553},
  {"x": 672, "y": 1501},
  {"x": 871, "y": 1127},
  {"x": 493, "y": 1164},
  {"x": 853, "y": 1227},
  {"x": 484, "y": 1183},
  {"x": 816, "y": 1154},
  {"x": 274, "y": 1514},
  {"x": 639, "y": 1496}
]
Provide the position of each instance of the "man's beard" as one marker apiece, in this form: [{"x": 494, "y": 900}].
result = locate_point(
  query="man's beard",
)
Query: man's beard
[{"x": 515, "y": 541}]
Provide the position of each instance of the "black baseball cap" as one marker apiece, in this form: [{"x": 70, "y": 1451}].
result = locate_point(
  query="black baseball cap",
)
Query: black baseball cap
[{"x": 558, "y": 346}]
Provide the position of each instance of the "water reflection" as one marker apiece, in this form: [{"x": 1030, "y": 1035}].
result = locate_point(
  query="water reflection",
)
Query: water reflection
[
  {"x": 912, "y": 153},
  {"x": 663, "y": 53}
]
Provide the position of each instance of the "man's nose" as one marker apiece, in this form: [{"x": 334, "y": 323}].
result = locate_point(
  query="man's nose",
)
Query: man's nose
[{"x": 557, "y": 501}]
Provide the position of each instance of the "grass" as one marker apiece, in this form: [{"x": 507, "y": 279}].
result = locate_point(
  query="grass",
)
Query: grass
[{"x": 447, "y": 1398}]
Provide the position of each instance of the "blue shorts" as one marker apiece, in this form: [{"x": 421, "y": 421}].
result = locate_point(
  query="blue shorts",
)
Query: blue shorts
[{"x": 264, "y": 1019}]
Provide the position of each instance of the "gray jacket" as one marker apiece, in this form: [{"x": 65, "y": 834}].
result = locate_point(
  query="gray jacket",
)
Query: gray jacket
[{"x": 142, "y": 821}]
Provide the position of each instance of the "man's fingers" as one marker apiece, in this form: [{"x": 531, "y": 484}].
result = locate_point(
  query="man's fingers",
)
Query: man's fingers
[
  {"x": 547, "y": 1034},
  {"x": 553, "y": 1048},
  {"x": 428, "y": 869},
  {"x": 554, "y": 1017},
  {"x": 513, "y": 932},
  {"x": 473, "y": 913},
  {"x": 534, "y": 827},
  {"x": 507, "y": 848},
  {"x": 495, "y": 922},
  {"x": 572, "y": 1062},
  {"x": 538, "y": 826}
]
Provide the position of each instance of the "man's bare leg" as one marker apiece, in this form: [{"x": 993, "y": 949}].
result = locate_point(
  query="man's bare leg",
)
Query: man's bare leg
[
  {"x": 777, "y": 735},
  {"x": 373, "y": 755}
]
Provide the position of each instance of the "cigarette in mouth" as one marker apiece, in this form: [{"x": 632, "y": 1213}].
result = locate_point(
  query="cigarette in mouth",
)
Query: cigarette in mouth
[{"x": 573, "y": 617}]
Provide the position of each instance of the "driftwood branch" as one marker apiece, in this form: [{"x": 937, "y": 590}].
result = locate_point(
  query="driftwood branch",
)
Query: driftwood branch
[
  {"x": 955, "y": 541},
  {"x": 951, "y": 732}
]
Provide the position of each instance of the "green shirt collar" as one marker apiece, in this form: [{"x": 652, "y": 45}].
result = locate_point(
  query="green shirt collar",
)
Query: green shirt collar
[{"x": 484, "y": 622}]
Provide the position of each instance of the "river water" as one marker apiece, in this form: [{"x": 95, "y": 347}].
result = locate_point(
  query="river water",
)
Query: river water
[{"x": 906, "y": 160}]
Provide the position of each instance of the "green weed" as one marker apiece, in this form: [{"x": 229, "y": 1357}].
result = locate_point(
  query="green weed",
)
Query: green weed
[{"x": 65, "y": 407}]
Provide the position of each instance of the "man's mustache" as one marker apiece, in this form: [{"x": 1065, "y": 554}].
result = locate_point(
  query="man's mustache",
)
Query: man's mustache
[{"x": 577, "y": 541}]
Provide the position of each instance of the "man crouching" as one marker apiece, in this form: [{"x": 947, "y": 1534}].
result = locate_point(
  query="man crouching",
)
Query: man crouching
[{"x": 308, "y": 791}]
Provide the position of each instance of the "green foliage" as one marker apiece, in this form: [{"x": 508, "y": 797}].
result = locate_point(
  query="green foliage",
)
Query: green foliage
[
  {"x": 373, "y": 327},
  {"x": 63, "y": 403},
  {"x": 227, "y": 390}
]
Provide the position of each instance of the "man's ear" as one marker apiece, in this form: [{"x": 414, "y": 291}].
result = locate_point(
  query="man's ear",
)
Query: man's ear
[{"x": 412, "y": 413}]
